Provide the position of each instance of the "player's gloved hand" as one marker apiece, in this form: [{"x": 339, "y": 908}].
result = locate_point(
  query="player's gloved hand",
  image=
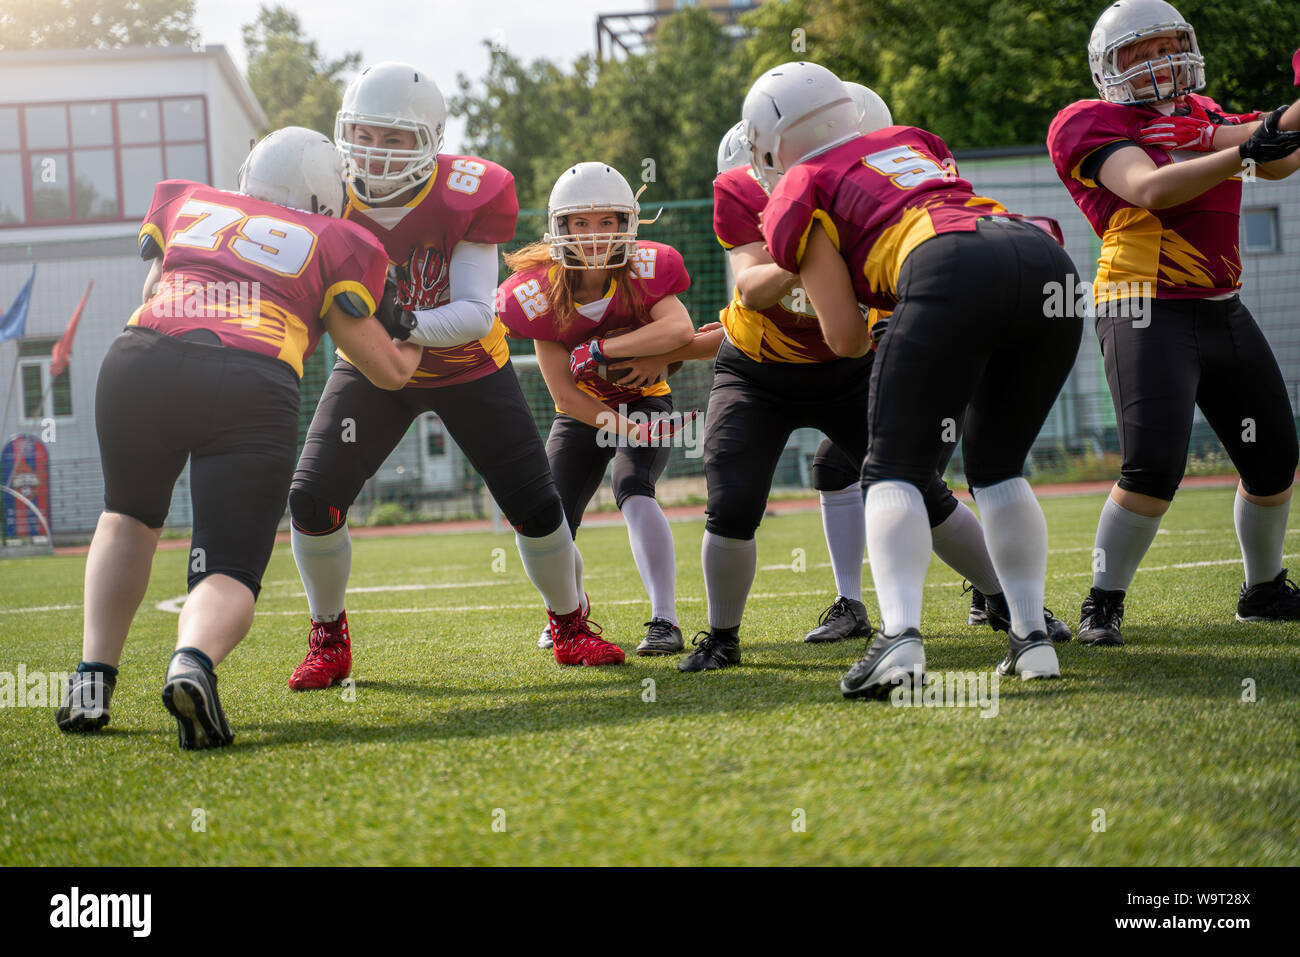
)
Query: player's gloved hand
[
  {"x": 1048, "y": 225},
  {"x": 397, "y": 322},
  {"x": 659, "y": 432},
  {"x": 1194, "y": 132},
  {"x": 1268, "y": 142},
  {"x": 585, "y": 358}
]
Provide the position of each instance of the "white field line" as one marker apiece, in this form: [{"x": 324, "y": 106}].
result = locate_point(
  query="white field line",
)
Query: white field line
[{"x": 173, "y": 605}]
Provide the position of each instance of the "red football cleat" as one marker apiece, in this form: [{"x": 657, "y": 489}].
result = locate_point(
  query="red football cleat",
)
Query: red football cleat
[
  {"x": 329, "y": 659},
  {"x": 577, "y": 641}
]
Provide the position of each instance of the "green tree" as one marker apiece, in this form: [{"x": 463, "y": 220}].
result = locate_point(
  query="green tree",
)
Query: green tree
[
  {"x": 984, "y": 74},
  {"x": 656, "y": 116},
  {"x": 80, "y": 24},
  {"x": 294, "y": 83}
]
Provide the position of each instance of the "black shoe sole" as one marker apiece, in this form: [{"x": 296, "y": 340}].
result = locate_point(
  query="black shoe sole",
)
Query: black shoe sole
[
  {"x": 1100, "y": 639},
  {"x": 79, "y": 723},
  {"x": 860, "y": 633},
  {"x": 658, "y": 652},
  {"x": 187, "y": 701},
  {"x": 880, "y": 690},
  {"x": 712, "y": 666}
]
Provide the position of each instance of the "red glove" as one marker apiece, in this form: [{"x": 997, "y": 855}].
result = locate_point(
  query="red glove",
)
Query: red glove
[
  {"x": 585, "y": 358},
  {"x": 1195, "y": 133},
  {"x": 660, "y": 431}
]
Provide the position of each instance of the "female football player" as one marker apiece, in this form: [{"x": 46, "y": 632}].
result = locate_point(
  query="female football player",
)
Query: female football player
[
  {"x": 882, "y": 221},
  {"x": 1174, "y": 334},
  {"x": 594, "y": 298},
  {"x": 440, "y": 218},
  {"x": 775, "y": 373},
  {"x": 205, "y": 378}
]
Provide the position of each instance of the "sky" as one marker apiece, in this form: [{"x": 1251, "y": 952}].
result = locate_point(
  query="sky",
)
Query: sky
[{"x": 440, "y": 37}]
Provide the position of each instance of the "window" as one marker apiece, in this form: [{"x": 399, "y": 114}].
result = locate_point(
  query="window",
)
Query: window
[
  {"x": 1259, "y": 227},
  {"x": 42, "y": 398},
  {"x": 96, "y": 161}
]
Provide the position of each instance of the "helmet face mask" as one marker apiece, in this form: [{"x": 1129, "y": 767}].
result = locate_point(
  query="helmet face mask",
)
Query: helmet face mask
[
  {"x": 594, "y": 190},
  {"x": 392, "y": 96},
  {"x": 1155, "y": 80}
]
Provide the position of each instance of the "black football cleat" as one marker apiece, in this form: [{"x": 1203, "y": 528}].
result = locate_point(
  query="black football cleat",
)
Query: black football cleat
[
  {"x": 1100, "y": 618},
  {"x": 845, "y": 618},
  {"x": 978, "y": 608},
  {"x": 1030, "y": 657},
  {"x": 997, "y": 614},
  {"x": 1278, "y": 600},
  {"x": 889, "y": 662},
  {"x": 662, "y": 637},
  {"x": 85, "y": 701},
  {"x": 190, "y": 694},
  {"x": 715, "y": 649}
]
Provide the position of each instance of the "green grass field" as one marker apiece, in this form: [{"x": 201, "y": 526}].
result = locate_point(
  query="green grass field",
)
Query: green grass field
[{"x": 460, "y": 723}]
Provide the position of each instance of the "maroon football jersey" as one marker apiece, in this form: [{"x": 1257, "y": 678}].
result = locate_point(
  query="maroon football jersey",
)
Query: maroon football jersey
[
  {"x": 259, "y": 275},
  {"x": 1187, "y": 251},
  {"x": 878, "y": 197},
  {"x": 523, "y": 305},
  {"x": 785, "y": 332},
  {"x": 466, "y": 200}
]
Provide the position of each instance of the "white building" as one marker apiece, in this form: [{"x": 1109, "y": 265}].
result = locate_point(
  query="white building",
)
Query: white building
[{"x": 84, "y": 137}]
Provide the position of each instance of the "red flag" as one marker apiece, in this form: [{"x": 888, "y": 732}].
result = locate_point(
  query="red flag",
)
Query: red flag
[
  {"x": 1295, "y": 65},
  {"x": 61, "y": 355}
]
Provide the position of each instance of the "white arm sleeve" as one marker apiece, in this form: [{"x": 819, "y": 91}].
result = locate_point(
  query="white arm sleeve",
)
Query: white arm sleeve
[{"x": 472, "y": 275}]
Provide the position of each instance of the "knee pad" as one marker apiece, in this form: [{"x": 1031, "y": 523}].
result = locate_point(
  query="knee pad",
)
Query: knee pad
[
  {"x": 939, "y": 501},
  {"x": 312, "y": 516},
  {"x": 543, "y": 521},
  {"x": 832, "y": 469}
]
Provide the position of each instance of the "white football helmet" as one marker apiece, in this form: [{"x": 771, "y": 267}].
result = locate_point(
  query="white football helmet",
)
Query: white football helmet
[
  {"x": 733, "y": 150},
  {"x": 793, "y": 113},
  {"x": 1126, "y": 22},
  {"x": 591, "y": 187},
  {"x": 874, "y": 111},
  {"x": 295, "y": 167},
  {"x": 393, "y": 95}
]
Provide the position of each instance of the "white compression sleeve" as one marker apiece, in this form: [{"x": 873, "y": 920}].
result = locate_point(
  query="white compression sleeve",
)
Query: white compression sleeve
[{"x": 472, "y": 274}]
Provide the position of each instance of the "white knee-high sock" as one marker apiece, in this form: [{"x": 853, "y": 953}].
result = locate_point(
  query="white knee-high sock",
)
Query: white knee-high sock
[
  {"x": 1261, "y": 532},
  {"x": 729, "y": 566},
  {"x": 548, "y": 562},
  {"x": 844, "y": 521},
  {"x": 651, "y": 539},
  {"x": 577, "y": 577},
  {"x": 1123, "y": 537},
  {"x": 898, "y": 542},
  {"x": 324, "y": 563},
  {"x": 959, "y": 543},
  {"x": 1016, "y": 533}
]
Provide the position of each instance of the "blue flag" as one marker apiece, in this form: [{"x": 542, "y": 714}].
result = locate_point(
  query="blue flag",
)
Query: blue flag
[{"x": 13, "y": 322}]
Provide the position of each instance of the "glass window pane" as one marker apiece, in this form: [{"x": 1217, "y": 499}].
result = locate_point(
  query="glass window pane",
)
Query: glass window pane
[
  {"x": 61, "y": 392},
  {"x": 11, "y": 189},
  {"x": 96, "y": 184},
  {"x": 50, "y": 192},
  {"x": 183, "y": 119},
  {"x": 1259, "y": 225},
  {"x": 92, "y": 124},
  {"x": 46, "y": 126},
  {"x": 141, "y": 171},
  {"x": 188, "y": 162},
  {"x": 32, "y": 391},
  {"x": 8, "y": 128},
  {"x": 137, "y": 122}
]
